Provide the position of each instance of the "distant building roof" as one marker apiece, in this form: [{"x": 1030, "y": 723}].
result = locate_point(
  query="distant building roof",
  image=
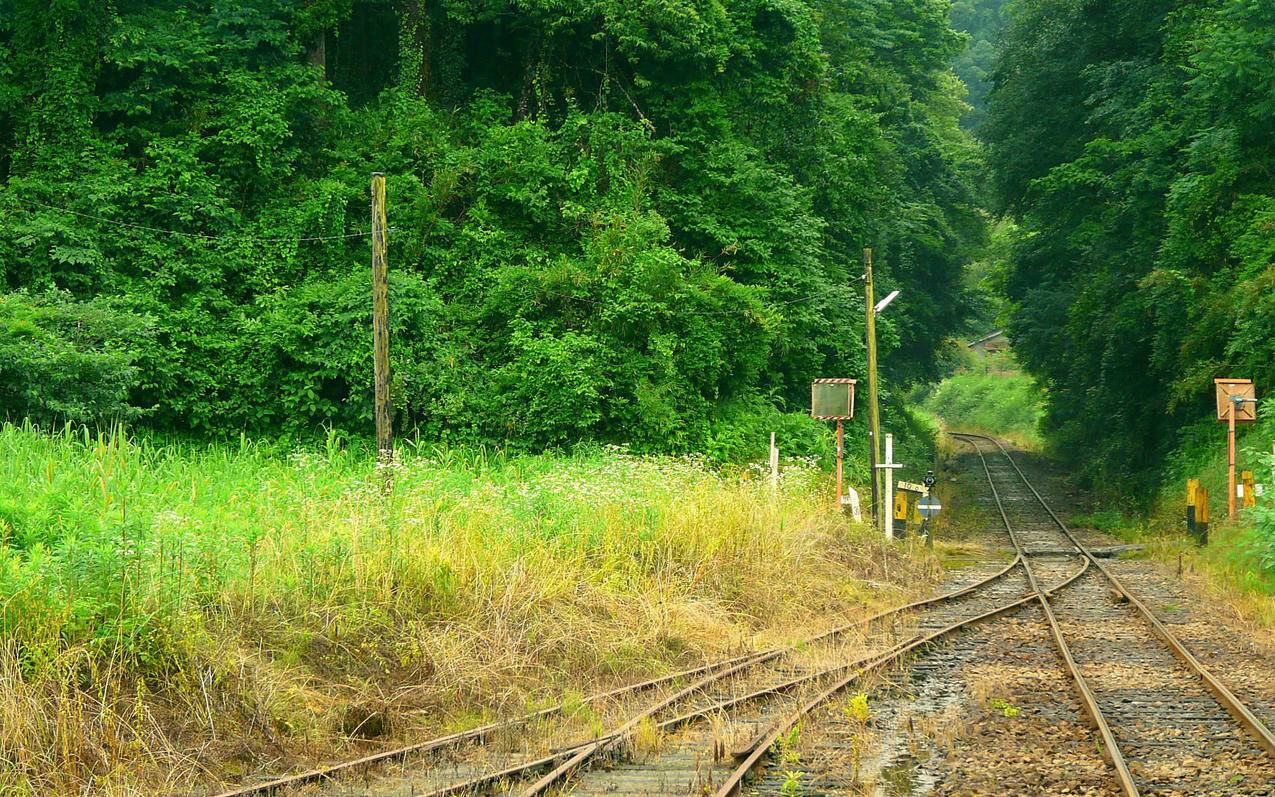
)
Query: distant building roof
[{"x": 990, "y": 336}]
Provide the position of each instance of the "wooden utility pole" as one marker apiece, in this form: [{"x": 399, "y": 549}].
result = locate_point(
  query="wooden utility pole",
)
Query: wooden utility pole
[
  {"x": 384, "y": 410},
  {"x": 874, "y": 417}
]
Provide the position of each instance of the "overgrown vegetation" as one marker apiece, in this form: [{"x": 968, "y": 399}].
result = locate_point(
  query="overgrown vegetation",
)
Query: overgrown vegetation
[
  {"x": 613, "y": 222},
  {"x": 246, "y": 602},
  {"x": 1132, "y": 141},
  {"x": 1006, "y": 405},
  {"x": 988, "y": 394}
]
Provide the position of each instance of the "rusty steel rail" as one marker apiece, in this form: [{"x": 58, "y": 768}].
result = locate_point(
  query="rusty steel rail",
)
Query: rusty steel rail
[
  {"x": 585, "y": 752},
  {"x": 751, "y": 754},
  {"x": 1233, "y": 705},
  {"x": 555, "y": 756},
  {"x": 479, "y": 733},
  {"x": 1113, "y": 754}
]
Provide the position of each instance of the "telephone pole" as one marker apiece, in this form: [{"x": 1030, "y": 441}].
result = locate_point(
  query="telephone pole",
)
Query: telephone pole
[
  {"x": 384, "y": 411},
  {"x": 874, "y": 417}
]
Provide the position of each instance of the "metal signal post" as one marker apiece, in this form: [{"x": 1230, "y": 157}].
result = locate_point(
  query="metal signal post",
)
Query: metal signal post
[
  {"x": 833, "y": 400},
  {"x": 1236, "y": 403}
]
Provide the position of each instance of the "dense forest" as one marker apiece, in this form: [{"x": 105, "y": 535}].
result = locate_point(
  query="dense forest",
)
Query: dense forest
[
  {"x": 625, "y": 222},
  {"x": 1132, "y": 140}
]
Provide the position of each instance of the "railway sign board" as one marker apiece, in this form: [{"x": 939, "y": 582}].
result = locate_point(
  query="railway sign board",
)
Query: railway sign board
[
  {"x": 1245, "y": 409},
  {"x": 929, "y": 507},
  {"x": 832, "y": 399},
  {"x": 913, "y": 487}
]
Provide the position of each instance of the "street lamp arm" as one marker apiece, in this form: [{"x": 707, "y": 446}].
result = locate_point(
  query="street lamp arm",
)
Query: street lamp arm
[{"x": 884, "y": 303}]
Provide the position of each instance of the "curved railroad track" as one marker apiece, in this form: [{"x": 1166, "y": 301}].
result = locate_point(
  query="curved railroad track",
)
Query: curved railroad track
[{"x": 709, "y": 729}]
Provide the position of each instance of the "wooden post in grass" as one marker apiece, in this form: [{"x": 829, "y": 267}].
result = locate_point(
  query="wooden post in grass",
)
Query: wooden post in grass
[
  {"x": 1250, "y": 489},
  {"x": 384, "y": 411},
  {"x": 874, "y": 417},
  {"x": 1202, "y": 516},
  {"x": 1192, "y": 488},
  {"x": 889, "y": 466},
  {"x": 774, "y": 468}
]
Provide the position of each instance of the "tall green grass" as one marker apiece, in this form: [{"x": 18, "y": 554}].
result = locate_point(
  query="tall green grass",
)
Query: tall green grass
[
  {"x": 1248, "y": 548},
  {"x": 1005, "y": 404},
  {"x": 158, "y": 597}
]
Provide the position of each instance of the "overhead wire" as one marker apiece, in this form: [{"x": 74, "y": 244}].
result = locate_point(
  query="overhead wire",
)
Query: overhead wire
[{"x": 195, "y": 235}]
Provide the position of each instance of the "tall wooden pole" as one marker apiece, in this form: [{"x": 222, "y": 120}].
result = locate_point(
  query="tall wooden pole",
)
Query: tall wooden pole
[
  {"x": 384, "y": 411},
  {"x": 874, "y": 416},
  {"x": 1230, "y": 461}
]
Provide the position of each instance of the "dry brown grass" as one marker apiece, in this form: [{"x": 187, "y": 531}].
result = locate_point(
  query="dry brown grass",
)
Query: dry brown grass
[{"x": 354, "y": 624}]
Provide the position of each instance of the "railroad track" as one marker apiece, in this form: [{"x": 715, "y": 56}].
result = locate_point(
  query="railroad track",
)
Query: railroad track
[
  {"x": 708, "y": 730},
  {"x": 1167, "y": 724},
  {"x": 759, "y": 691}
]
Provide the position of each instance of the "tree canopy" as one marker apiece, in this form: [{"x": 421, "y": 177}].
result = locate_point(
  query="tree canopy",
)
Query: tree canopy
[
  {"x": 1132, "y": 139},
  {"x": 610, "y": 221}
]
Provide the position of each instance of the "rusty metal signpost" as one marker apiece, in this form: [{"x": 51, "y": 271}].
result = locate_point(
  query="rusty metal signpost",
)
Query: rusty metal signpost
[
  {"x": 833, "y": 400},
  {"x": 1236, "y": 403}
]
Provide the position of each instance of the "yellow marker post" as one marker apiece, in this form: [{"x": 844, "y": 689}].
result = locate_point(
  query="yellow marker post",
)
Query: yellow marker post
[
  {"x": 900, "y": 505},
  {"x": 1192, "y": 488},
  {"x": 1250, "y": 489},
  {"x": 1202, "y": 516}
]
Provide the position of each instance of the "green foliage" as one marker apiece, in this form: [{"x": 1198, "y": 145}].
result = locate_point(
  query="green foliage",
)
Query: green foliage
[
  {"x": 1132, "y": 139},
  {"x": 610, "y": 222},
  {"x": 63, "y": 360},
  {"x": 741, "y": 433},
  {"x": 1003, "y": 404},
  {"x": 984, "y": 21}
]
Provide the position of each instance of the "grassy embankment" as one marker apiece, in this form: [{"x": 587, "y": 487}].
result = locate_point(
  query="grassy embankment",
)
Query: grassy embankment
[
  {"x": 991, "y": 396},
  {"x": 174, "y": 614},
  {"x": 1238, "y": 564}
]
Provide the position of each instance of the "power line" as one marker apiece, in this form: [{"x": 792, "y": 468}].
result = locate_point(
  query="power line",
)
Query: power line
[
  {"x": 735, "y": 311},
  {"x": 195, "y": 235}
]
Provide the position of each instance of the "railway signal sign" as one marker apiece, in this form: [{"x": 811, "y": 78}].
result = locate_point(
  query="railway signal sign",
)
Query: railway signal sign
[
  {"x": 833, "y": 400},
  {"x": 1236, "y": 403},
  {"x": 1237, "y": 394},
  {"x": 929, "y": 507}
]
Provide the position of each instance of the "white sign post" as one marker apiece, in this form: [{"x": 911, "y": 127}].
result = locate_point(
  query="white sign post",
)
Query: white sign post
[
  {"x": 889, "y": 466},
  {"x": 774, "y": 468}
]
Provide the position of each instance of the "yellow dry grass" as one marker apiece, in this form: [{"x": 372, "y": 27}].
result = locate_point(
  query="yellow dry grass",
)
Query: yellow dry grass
[{"x": 250, "y": 607}]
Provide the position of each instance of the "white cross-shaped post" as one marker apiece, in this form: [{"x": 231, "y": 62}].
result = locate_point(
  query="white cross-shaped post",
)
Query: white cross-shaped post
[{"x": 889, "y": 466}]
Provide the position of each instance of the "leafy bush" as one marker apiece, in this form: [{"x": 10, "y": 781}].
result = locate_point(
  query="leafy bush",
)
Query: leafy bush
[
  {"x": 63, "y": 360},
  {"x": 1007, "y": 404},
  {"x": 741, "y": 433}
]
